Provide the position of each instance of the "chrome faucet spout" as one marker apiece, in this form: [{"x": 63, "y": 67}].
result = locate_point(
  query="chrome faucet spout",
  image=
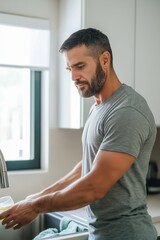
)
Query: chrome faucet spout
[{"x": 4, "y": 183}]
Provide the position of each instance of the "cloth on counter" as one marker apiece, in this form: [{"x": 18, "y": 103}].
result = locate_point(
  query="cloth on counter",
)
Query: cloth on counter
[{"x": 67, "y": 226}]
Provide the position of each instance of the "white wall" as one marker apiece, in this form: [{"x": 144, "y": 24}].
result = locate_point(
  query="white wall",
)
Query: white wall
[{"x": 62, "y": 147}]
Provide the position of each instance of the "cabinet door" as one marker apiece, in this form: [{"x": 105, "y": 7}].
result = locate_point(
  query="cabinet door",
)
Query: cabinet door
[
  {"x": 147, "y": 57},
  {"x": 69, "y": 102},
  {"x": 117, "y": 20}
]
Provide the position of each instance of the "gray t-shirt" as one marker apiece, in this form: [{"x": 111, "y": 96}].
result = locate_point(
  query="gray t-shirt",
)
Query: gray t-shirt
[{"x": 122, "y": 123}]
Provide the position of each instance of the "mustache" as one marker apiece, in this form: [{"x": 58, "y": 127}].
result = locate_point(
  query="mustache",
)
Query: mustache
[{"x": 80, "y": 82}]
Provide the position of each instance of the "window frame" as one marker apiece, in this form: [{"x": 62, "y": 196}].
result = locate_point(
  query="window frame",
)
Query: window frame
[
  {"x": 37, "y": 69},
  {"x": 36, "y": 78}
]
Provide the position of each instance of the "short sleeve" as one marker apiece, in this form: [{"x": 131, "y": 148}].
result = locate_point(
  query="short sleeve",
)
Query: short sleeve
[{"x": 126, "y": 130}]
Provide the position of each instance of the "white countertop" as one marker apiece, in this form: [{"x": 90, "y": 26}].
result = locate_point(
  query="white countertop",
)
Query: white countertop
[
  {"x": 79, "y": 215},
  {"x": 153, "y": 202}
]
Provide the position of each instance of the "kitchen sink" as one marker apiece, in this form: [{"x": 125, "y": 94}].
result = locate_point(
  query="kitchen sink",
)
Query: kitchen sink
[
  {"x": 26, "y": 233},
  {"x": 52, "y": 220}
]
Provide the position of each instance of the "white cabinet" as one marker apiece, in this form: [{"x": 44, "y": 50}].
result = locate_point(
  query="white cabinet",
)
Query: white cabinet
[
  {"x": 147, "y": 53},
  {"x": 133, "y": 28},
  {"x": 73, "y": 110},
  {"x": 117, "y": 20},
  {"x": 69, "y": 115}
]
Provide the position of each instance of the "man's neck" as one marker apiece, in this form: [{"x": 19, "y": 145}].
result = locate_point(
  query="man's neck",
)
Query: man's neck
[{"x": 111, "y": 85}]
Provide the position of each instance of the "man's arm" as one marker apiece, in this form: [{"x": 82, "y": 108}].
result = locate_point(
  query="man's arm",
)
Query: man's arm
[
  {"x": 62, "y": 183},
  {"x": 108, "y": 168}
]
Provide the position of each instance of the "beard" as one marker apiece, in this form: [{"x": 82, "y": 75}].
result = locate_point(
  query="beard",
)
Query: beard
[{"x": 97, "y": 83}]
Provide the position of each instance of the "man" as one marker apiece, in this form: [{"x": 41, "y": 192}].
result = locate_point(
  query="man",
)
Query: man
[{"x": 117, "y": 141}]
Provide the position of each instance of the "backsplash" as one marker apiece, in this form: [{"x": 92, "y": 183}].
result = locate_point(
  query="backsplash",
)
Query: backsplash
[{"x": 155, "y": 156}]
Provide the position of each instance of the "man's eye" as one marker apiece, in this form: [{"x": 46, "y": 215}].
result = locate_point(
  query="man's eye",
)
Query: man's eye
[{"x": 80, "y": 66}]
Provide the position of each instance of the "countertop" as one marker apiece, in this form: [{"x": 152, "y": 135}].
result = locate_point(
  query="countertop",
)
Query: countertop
[
  {"x": 153, "y": 202},
  {"x": 79, "y": 215}
]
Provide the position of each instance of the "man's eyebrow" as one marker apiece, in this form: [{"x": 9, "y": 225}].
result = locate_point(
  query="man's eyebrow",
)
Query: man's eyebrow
[{"x": 74, "y": 65}]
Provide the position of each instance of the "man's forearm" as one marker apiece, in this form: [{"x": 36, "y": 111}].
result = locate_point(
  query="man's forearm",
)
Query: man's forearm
[
  {"x": 78, "y": 194},
  {"x": 62, "y": 183}
]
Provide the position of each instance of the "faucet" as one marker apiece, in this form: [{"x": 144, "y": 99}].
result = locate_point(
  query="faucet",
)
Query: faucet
[{"x": 4, "y": 183}]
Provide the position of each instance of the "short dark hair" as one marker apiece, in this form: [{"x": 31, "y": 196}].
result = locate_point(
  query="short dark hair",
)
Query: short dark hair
[{"x": 92, "y": 38}]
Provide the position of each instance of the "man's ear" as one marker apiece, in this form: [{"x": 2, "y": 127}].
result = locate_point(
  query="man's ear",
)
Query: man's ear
[{"x": 105, "y": 59}]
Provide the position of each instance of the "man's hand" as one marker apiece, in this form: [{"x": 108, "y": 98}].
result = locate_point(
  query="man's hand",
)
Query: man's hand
[{"x": 19, "y": 215}]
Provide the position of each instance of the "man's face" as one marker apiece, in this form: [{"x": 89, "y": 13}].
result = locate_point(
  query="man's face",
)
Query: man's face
[{"x": 87, "y": 74}]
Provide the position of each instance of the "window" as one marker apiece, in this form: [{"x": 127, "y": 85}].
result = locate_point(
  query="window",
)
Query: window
[
  {"x": 24, "y": 47},
  {"x": 20, "y": 104}
]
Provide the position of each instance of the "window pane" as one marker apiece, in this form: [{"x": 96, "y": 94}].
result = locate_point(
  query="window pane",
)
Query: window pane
[{"x": 15, "y": 113}]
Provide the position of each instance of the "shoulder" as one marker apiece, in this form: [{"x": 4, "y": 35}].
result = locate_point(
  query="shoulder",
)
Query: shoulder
[{"x": 129, "y": 104}]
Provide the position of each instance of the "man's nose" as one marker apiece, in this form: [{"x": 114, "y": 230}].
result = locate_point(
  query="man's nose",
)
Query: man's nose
[{"x": 75, "y": 75}]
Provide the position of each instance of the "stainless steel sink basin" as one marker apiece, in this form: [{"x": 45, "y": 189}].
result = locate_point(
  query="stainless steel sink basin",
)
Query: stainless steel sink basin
[
  {"x": 52, "y": 220},
  {"x": 26, "y": 233}
]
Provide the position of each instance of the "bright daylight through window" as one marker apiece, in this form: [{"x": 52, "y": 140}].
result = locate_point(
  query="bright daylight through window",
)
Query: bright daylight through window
[
  {"x": 15, "y": 116},
  {"x": 24, "y": 56}
]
